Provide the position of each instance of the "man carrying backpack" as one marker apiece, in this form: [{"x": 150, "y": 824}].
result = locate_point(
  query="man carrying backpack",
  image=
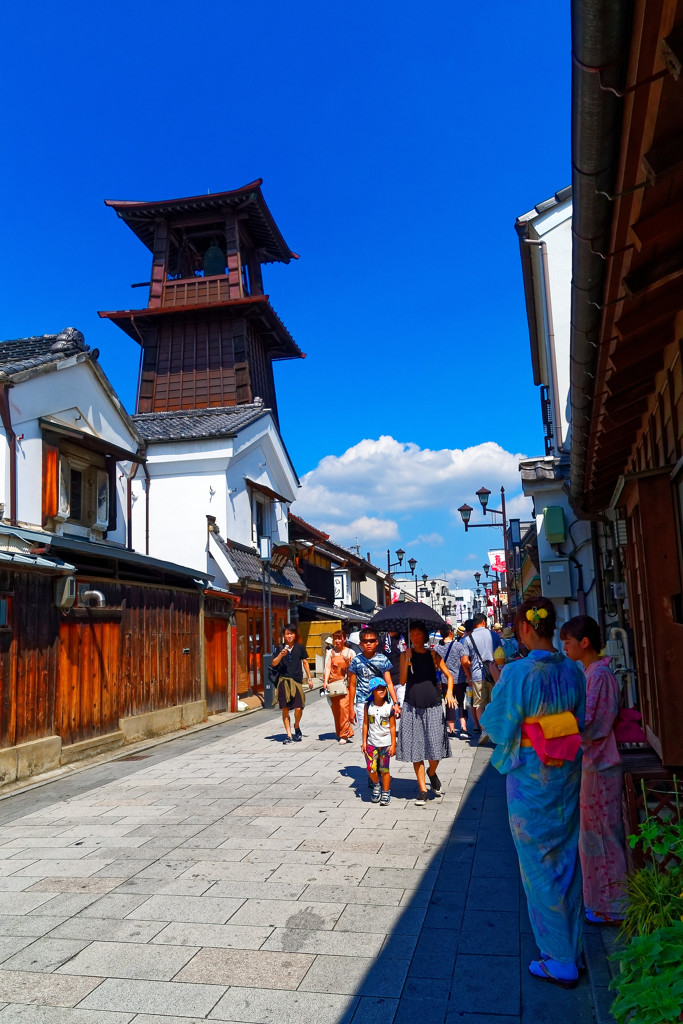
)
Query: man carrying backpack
[{"x": 482, "y": 662}]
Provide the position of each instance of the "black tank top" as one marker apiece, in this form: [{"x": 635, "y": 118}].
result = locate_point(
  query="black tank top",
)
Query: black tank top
[{"x": 422, "y": 689}]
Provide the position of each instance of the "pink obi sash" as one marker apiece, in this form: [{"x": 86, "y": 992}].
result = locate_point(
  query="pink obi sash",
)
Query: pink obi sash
[{"x": 555, "y": 738}]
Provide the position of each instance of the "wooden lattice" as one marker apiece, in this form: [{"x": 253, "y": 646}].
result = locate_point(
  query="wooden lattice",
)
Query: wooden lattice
[{"x": 655, "y": 793}]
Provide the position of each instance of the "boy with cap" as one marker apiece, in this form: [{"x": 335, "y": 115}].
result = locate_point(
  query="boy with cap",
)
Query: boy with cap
[{"x": 379, "y": 741}]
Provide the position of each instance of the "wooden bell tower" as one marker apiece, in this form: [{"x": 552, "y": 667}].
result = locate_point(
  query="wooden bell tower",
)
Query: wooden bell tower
[{"x": 208, "y": 333}]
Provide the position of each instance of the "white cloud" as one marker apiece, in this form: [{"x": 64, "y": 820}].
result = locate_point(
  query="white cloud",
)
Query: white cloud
[
  {"x": 366, "y": 529},
  {"x": 430, "y": 539},
  {"x": 390, "y": 475}
]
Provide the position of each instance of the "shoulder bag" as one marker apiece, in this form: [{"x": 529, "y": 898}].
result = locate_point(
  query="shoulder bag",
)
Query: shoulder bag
[{"x": 486, "y": 671}]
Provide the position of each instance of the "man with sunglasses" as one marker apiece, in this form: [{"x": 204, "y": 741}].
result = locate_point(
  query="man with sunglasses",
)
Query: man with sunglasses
[{"x": 365, "y": 668}]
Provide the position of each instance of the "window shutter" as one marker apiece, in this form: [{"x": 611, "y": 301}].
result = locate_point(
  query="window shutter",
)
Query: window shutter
[
  {"x": 50, "y": 482},
  {"x": 102, "y": 499},
  {"x": 111, "y": 473}
]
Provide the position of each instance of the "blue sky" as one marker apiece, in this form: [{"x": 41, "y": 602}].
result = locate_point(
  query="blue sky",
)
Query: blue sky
[{"x": 397, "y": 146}]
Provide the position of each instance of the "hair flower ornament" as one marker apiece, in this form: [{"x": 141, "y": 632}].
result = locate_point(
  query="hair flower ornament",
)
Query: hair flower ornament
[{"x": 535, "y": 615}]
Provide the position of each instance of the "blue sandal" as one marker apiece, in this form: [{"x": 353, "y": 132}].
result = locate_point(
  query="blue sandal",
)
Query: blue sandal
[{"x": 539, "y": 969}]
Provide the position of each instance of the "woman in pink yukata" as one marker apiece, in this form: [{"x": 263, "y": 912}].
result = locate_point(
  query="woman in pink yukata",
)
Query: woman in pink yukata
[{"x": 601, "y": 839}]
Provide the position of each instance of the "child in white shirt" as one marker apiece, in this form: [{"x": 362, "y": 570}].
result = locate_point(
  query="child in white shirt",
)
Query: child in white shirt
[{"x": 379, "y": 741}]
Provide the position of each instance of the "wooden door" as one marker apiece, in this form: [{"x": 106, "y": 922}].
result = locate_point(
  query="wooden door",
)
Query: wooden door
[
  {"x": 216, "y": 632},
  {"x": 87, "y": 700}
]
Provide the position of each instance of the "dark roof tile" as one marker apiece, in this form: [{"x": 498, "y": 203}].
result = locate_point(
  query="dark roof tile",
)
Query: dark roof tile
[
  {"x": 23, "y": 354},
  {"x": 247, "y": 564},
  {"x": 191, "y": 424}
]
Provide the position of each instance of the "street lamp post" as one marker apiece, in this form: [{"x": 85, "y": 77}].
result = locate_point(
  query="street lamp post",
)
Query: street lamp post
[
  {"x": 466, "y": 512},
  {"x": 393, "y": 571}
]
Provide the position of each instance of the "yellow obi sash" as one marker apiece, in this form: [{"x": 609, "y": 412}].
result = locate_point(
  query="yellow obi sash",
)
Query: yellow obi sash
[{"x": 555, "y": 738}]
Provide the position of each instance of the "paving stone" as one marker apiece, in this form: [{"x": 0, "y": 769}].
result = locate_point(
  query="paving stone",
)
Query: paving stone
[
  {"x": 19, "y": 903},
  {"x": 269, "y": 1006},
  {"x": 45, "y": 955},
  {"x": 224, "y": 936},
  {"x": 357, "y": 975},
  {"x": 248, "y": 968},
  {"x": 488, "y": 982},
  {"x": 490, "y": 931},
  {"x": 90, "y": 885},
  {"x": 18, "y": 1014},
  {"x": 492, "y": 894},
  {"x": 113, "y": 905},
  {"x": 396, "y": 920},
  {"x": 11, "y": 944},
  {"x": 427, "y": 1009},
  {"x": 92, "y": 928},
  {"x": 288, "y": 914},
  {"x": 44, "y": 989},
  {"x": 381, "y": 896},
  {"x": 161, "y": 997},
  {"x": 297, "y": 940},
  {"x": 197, "y": 909},
  {"x": 375, "y": 1010},
  {"x": 258, "y": 890},
  {"x": 130, "y": 960}
]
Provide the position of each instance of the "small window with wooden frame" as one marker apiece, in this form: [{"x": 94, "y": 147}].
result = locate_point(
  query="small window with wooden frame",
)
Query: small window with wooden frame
[{"x": 77, "y": 489}]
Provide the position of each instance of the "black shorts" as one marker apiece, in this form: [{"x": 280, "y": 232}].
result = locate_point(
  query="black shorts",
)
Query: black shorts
[{"x": 295, "y": 702}]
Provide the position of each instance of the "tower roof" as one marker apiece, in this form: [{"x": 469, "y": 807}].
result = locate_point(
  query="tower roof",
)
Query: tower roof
[{"x": 194, "y": 210}]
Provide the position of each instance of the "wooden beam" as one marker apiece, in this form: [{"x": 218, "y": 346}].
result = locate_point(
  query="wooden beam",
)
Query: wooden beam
[
  {"x": 644, "y": 347},
  {"x": 659, "y": 305},
  {"x": 659, "y": 227},
  {"x": 664, "y": 159},
  {"x": 654, "y": 274}
]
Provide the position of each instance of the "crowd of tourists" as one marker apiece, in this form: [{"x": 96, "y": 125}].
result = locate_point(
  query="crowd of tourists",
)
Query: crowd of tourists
[{"x": 550, "y": 716}]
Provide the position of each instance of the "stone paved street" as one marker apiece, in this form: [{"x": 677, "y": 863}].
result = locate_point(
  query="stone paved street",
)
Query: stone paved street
[{"x": 224, "y": 876}]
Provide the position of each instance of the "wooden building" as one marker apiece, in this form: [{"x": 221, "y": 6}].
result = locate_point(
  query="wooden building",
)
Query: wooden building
[
  {"x": 208, "y": 334},
  {"x": 98, "y": 644},
  {"x": 207, "y": 409},
  {"x": 627, "y": 326}
]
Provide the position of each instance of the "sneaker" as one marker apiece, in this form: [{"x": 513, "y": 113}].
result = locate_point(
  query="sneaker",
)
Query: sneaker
[
  {"x": 483, "y": 739},
  {"x": 341, "y": 742},
  {"x": 385, "y": 799},
  {"x": 376, "y": 792},
  {"x": 287, "y": 739},
  {"x": 435, "y": 783},
  {"x": 297, "y": 736},
  {"x": 422, "y": 798}
]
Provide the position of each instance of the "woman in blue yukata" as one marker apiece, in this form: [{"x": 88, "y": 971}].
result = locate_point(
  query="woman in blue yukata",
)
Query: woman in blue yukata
[{"x": 534, "y": 719}]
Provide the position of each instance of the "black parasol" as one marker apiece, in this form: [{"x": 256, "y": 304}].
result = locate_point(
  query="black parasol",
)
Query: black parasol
[{"x": 401, "y": 614}]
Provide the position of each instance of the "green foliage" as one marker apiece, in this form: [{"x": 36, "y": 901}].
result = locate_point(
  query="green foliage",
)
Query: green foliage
[
  {"x": 660, "y": 838},
  {"x": 654, "y": 900},
  {"x": 650, "y": 986}
]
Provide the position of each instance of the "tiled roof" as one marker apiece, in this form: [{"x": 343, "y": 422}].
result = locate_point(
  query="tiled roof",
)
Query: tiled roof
[
  {"x": 191, "y": 424},
  {"x": 248, "y": 566},
  {"x": 28, "y": 353}
]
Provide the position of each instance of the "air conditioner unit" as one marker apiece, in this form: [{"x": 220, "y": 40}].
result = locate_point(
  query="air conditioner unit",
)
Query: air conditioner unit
[{"x": 65, "y": 591}]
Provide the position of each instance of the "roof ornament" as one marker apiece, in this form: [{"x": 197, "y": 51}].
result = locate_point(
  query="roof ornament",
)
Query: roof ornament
[{"x": 68, "y": 339}]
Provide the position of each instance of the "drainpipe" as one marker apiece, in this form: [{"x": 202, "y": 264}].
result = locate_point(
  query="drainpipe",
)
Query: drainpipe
[
  {"x": 543, "y": 248},
  {"x": 601, "y": 32},
  {"x": 5, "y": 385},
  {"x": 148, "y": 482}
]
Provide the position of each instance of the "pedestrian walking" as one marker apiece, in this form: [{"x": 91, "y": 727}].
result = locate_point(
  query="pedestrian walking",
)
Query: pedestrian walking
[
  {"x": 379, "y": 741},
  {"x": 423, "y": 735},
  {"x": 451, "y": 650},
  {"x": 601, "y": 840},
  {"x": 393, "y": 645},
  {"x": 291, "y": 660},
  {"x": 509, "y": 644},
  {"x": 481, "y": 660},
  {"x": 363, "y": 670},
  {"x": 534, "y": 719},
  {"x": 336, "y": 685}
]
